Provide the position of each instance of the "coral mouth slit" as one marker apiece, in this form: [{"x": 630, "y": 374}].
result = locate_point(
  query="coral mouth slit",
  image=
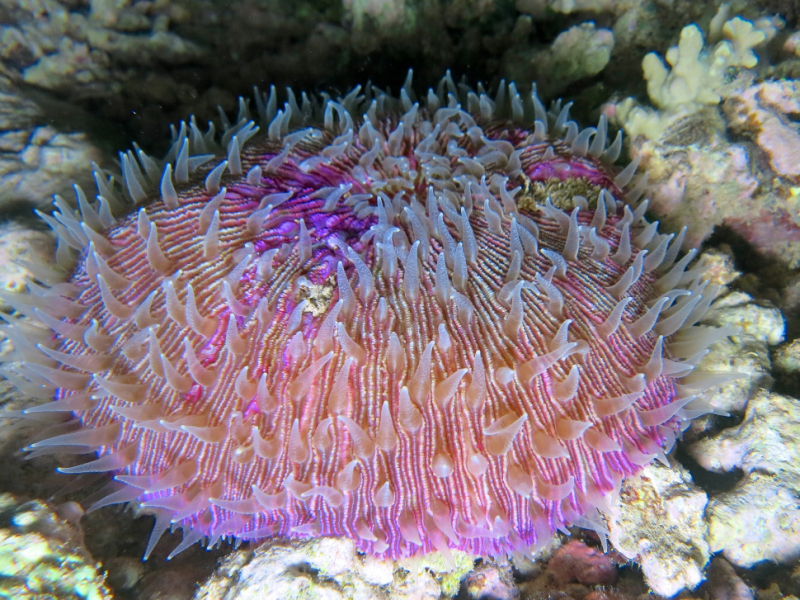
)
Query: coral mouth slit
[{"x": 370, "y": 318}]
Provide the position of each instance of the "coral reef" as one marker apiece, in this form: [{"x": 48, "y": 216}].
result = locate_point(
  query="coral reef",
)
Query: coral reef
[
  {"x": 762, "y": 112},
  {"x": 745, "y": 354},
  {"x": 19, "y": 246},
  {"x": 699, "y": 176},
  {"x": 759, "y": 519},
  {"x": 539, "y": 7},
  {"x": 696, "y": 74},
  {"x": 720, "y": 144},
  {"x": 724, "y": 583},
  {"x": 330, "y": 568},
  {"x": 696, "y": 178},
  {"x": 491, "y": 580},
  {"x": 79, "y": 52},
  {"x": 579, "y": 52},
  {"x": 575, "y": 561},
  {"x": 658, "y": 521},
  {"x": 667, "y": 498},
  {"x": 38, "y": 160},
  {"x": 42, "y": 554},
  {"x": 765, "y": 324},
  {"x": 787, "y": 364},
  {"x": 145, "y": 64}
]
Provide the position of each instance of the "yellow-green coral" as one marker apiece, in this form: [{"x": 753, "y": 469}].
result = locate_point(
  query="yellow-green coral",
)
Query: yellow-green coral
[
  {"x": 693, "y": 74},
  {"x": 449, "y": 575},
  {"x": 41, "y": 556}
]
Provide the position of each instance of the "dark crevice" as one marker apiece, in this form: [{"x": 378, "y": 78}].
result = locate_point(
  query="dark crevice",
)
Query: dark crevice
[
  {"x": 793, "y": 117},
  {"x": 765, "y": 277},
  {"x": 787, "y": 383},
  {"x": 711, "y": 483},
  {"x": 304, "y": 569},
  {"x": 766, "y": 573}
]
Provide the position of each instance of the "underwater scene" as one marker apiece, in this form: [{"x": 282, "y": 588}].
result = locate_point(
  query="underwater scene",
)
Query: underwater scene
[{"x": 399, "y": 299}]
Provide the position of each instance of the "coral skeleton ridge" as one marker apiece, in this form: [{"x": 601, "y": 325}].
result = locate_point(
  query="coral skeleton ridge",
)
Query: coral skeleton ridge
[{"x": 367, "y": 317}]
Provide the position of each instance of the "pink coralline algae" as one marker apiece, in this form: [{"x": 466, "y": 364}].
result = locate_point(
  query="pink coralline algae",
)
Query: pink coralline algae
[
  {"x": 369, "y": 320},
  {"x": 575, "y": 561}
]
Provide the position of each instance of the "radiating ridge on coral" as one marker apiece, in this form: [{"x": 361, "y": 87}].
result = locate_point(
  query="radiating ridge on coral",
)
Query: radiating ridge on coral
[{"x": 363, "y": 318}]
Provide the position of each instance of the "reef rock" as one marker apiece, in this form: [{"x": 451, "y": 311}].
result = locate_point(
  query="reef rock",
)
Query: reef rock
[
  {"x": 42, "y": 555},
  {"x": 330, "y": 568},
  {"x": 658, "y": 522},
  {"x": 760, "y": 518}
]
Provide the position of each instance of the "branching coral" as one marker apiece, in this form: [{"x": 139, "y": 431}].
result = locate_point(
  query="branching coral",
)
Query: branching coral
[{"x": 693, "y": 74}]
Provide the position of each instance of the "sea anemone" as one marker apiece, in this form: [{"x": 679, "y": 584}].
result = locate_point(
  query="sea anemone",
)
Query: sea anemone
[{"x": 423, "y": 325}]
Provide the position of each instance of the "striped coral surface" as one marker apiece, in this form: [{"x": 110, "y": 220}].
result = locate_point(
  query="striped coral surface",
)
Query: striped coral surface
[{"x": 367, "y": 319}]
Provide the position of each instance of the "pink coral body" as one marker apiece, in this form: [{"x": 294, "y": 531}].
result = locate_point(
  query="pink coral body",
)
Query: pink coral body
[{"x": 362, "y": 330}]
